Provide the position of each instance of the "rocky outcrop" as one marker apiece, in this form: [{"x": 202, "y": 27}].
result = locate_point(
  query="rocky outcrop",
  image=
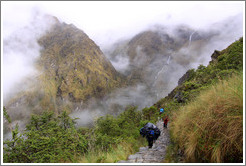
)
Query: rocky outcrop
[
  {"x": 215, "y": 56},
  {"x": 186, "y": 77}
]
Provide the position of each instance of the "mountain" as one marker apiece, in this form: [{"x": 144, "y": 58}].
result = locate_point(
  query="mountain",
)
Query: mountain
[
  {"x": 75, "y": 64},
  {"x": 223, "y": 64},
  {"x": 206, "y": 108},
  {"x": 71, "y": 70},
  {"x": 160, "y": 55}
]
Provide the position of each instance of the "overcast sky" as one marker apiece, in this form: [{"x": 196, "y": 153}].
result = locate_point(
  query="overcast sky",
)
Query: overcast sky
[{"x": 108, "y": 20}]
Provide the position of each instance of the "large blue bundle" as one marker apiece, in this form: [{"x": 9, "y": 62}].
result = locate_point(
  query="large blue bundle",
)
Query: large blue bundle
[
  {"x": 150, "y": 126},
  {"x": 144, "y": 131}
]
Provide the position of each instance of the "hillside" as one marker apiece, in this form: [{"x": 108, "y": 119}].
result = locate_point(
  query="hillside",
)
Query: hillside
[
  {"x": 75, "y": 64},
  {"x": 223, "y": 64},
  {"x": 159, "y": 56},
  {"x": 71, "y": 70},
  {"x": 206, "y": 114},
  {"x": 206, "y": 107}
]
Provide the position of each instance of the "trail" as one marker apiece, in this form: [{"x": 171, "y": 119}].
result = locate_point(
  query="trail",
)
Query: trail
[{"x": 154, "y": 155}]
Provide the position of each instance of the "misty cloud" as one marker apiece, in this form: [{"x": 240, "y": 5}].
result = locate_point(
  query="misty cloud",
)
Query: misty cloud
[
  {"x": 20, "y": 52},
  {"x": 121, "y": 63}
]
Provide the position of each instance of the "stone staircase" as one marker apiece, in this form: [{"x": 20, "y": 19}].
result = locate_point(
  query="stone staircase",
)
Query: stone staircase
[{"x": 156, "y": 154}]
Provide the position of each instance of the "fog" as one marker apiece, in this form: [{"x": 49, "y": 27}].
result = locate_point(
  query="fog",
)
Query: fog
[
  {"x": 20, "y": 51},
  {"x": 108, "y": 23}
]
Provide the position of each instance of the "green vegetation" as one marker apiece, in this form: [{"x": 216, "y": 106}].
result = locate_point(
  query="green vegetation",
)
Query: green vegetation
[
  {"x": 210, "y": 129},
  {"x": 227, "y": 62},
  {"x": 6, "y": 115},
  {"x": 48, "y": 138},
  {"x": 208, "y": 110},
  {"x": 73, "y": 66}
]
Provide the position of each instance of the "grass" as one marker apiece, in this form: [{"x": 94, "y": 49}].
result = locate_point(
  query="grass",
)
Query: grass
[
  {"x": 210, "y": 129},
  {"x": 118, "y": 152}
]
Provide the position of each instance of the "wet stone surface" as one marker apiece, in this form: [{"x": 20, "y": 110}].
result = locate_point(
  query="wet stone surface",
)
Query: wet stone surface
[{"x": 156, "y": 154}]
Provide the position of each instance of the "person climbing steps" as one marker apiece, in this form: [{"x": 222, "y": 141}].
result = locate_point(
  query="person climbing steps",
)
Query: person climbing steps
[
  {"x": 151, "y": 132},
  {"x": 161, "y": 111},
  {"x": 165, "y": 121},
  {"x": 157, "y": 153}
]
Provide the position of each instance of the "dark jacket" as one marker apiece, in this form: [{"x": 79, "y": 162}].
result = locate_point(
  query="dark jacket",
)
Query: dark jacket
[{"x": 146, "y": 130}]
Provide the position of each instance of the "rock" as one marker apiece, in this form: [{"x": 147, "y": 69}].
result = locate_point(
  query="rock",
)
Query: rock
[
  {"x": 131, "y": 157},
  {"x": 143, "y": 149},
  {"x": 215, "y": 55}
]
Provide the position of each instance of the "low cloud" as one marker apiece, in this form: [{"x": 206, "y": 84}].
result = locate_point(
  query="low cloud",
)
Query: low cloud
[{"x": 20, "y": 52}]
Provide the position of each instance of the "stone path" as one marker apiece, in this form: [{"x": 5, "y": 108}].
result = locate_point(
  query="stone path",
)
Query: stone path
[{"x": 156, "y": 154}]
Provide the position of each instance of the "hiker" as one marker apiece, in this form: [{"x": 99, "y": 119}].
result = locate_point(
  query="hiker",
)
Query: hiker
[
  {"x": 165, "y": 120},
  {"x": 151, "y": 132},
  {"x": 161, "y": 111}
]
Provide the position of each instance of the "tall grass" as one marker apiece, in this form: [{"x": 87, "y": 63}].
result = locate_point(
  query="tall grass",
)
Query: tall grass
[
  {"x": 210, "y": 129},
  {"x": 118, "y": 152}
]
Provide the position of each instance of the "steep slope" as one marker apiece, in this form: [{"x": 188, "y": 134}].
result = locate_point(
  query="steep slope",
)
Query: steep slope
[
  {"x": 75, "y": 64},
  {"x": 159, "y": 56},
  {"x": 71, "y": 69},
  {"x": 206, "y": 114},
  {"x": 223, "y": 63},
  {"x": 206, "y": 109}
]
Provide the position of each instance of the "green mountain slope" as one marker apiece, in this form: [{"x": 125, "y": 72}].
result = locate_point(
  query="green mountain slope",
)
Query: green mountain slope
[
  {"x": 206, "y": 107},
  {"x": 75, "y": 64},
  {"x": 71, "y": 70}
]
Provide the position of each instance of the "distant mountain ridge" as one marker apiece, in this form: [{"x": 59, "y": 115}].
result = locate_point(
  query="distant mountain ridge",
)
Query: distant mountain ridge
[{"x": 158, "y": 56}]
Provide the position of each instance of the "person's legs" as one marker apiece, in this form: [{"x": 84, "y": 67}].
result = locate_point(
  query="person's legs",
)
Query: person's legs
[
  {"x": 150, "y": 142},
  {"x": 166, "y": 124}
]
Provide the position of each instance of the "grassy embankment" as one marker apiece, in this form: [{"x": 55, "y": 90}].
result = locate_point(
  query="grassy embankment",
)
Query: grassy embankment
[
  {"x": 207, "y": 124},
  {"x": 210, "y": 129}
]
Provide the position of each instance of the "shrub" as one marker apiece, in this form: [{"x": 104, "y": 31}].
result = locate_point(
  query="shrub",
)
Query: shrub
[{"x": 46, "y": 139}]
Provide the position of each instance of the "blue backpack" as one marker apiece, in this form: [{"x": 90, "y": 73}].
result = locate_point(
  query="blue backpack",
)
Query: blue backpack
[{"x": 151, "y": 132}]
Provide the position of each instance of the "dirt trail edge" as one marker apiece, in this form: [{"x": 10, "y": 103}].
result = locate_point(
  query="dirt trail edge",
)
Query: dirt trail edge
[{"x": 154, "y": 155}]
